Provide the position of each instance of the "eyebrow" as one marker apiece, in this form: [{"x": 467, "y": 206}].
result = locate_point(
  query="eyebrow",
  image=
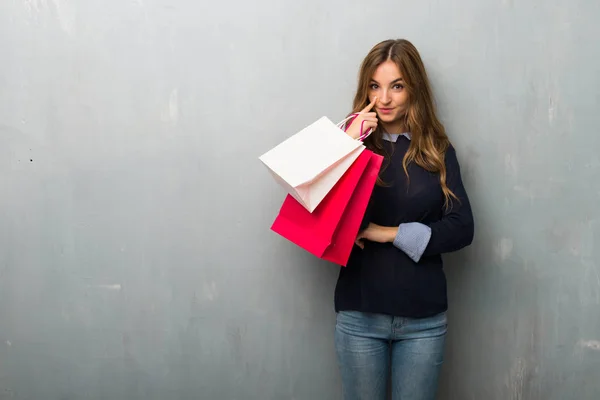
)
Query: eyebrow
[{"x": 394, "y": 81}]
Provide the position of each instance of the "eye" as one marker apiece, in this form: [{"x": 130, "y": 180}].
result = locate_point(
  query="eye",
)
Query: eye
[
  {"x": 398, "y": 86},
  {"x": 373, "y": 86}
]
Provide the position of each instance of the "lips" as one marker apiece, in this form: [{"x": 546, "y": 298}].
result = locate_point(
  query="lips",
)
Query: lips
[{"x": 385, "y": 110}]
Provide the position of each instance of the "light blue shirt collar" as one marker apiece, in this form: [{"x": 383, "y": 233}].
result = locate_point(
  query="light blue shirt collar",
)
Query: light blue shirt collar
[{"x": 392, "y": 137}]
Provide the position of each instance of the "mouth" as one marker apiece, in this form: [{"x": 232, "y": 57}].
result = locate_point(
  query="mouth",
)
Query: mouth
[{"x": 385, "y": 110}]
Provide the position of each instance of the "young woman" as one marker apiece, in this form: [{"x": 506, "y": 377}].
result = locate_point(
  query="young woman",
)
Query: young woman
[{"x": 391, "y": 298}]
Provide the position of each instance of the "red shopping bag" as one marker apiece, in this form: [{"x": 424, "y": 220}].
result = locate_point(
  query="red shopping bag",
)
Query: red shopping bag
[{"x": 330, "y": 230}]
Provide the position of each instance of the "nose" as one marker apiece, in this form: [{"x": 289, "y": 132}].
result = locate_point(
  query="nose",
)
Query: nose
[{"x": 384, "y": 97}]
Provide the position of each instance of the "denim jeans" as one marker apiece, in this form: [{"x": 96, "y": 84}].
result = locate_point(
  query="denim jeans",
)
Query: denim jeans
[{"x": 374, "y": 348}]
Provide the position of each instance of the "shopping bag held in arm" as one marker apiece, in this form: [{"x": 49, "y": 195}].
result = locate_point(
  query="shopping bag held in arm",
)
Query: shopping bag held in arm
[
  {"x": 330, "y": 231},
  {"x": 311, "y": 162}
]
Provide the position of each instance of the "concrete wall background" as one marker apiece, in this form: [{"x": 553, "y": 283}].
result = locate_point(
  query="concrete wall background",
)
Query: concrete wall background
[{"x": 135, "y": 255}]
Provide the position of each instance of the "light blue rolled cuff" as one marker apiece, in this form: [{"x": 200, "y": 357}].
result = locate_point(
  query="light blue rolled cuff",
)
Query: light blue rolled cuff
[{"x": 413, "y": 238}]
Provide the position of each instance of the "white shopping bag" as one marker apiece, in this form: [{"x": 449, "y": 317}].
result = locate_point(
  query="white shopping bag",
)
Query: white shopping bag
[{"x": 311, "y": 162}]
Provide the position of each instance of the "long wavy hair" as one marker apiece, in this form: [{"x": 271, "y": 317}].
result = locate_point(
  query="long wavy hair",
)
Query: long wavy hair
[{"x": 429, "y": 141}]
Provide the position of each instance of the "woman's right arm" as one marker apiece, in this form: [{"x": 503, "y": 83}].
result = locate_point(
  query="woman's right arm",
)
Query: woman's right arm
[{"x": 357, "y": 127}]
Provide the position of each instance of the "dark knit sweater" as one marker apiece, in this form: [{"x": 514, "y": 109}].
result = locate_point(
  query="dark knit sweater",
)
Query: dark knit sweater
[{"x": 384, "y": 277}]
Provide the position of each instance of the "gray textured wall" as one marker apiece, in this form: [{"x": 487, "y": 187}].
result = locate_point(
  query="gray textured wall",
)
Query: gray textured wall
[{"x": 135, "y": 256}]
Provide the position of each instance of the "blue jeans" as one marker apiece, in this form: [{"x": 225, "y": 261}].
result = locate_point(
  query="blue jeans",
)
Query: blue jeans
[{"x": 374, "y": 348}]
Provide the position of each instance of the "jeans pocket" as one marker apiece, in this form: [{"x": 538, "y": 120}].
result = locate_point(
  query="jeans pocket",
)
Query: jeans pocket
[{"x": 350, "y": 320}]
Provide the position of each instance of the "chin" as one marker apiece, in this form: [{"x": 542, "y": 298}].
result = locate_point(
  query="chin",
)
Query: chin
[{"x": 389, "y": 117}]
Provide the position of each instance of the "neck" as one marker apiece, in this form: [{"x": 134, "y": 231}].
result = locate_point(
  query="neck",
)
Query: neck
[{"x": 395, "y": 127}]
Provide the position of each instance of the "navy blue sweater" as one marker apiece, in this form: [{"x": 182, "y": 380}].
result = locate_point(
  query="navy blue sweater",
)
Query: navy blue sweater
[{"x": 389, "y": 278}]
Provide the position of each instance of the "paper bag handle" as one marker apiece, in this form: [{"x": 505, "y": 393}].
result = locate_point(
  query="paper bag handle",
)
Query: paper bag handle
[{"x": 363, "y": 135}]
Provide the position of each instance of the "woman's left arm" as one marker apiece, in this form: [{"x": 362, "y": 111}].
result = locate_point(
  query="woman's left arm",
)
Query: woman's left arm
[{"x": 454, "y": 231}]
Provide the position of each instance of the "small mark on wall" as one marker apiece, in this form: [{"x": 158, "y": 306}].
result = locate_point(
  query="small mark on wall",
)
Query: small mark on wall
[
  {"x": 516, "y": 379},
  {"x": 504, "y": 249},
  {"x": 107, "y": 287},
  {"x": 210, "y": 291},
  {"x": 526, "y": 192},
  {"x": 568, "y": 237},
  {"x": 64, "y": 15},
  {"x": 590, "y": 344},
  {"x": 8, "y": 343},
  {"x": 56, "y": 9},
  {"x": 551, "y": 110},
  {"x": 171, "y": 111},
  {"x": 510, "y": 165}
]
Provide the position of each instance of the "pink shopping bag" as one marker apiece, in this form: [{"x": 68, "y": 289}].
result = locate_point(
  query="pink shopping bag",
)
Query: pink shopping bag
[{"x": 330, "y": 230}]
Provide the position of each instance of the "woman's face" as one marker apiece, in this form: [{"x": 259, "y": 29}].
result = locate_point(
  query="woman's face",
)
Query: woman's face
[{"x": 392, "y": 99}]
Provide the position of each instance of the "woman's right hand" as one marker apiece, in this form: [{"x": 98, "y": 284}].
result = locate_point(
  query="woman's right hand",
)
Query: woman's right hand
[{"x": 370, "y": 119}]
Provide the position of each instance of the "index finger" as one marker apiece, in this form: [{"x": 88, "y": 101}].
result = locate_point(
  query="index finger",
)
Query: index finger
[{"x": 368, "y": 108}]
